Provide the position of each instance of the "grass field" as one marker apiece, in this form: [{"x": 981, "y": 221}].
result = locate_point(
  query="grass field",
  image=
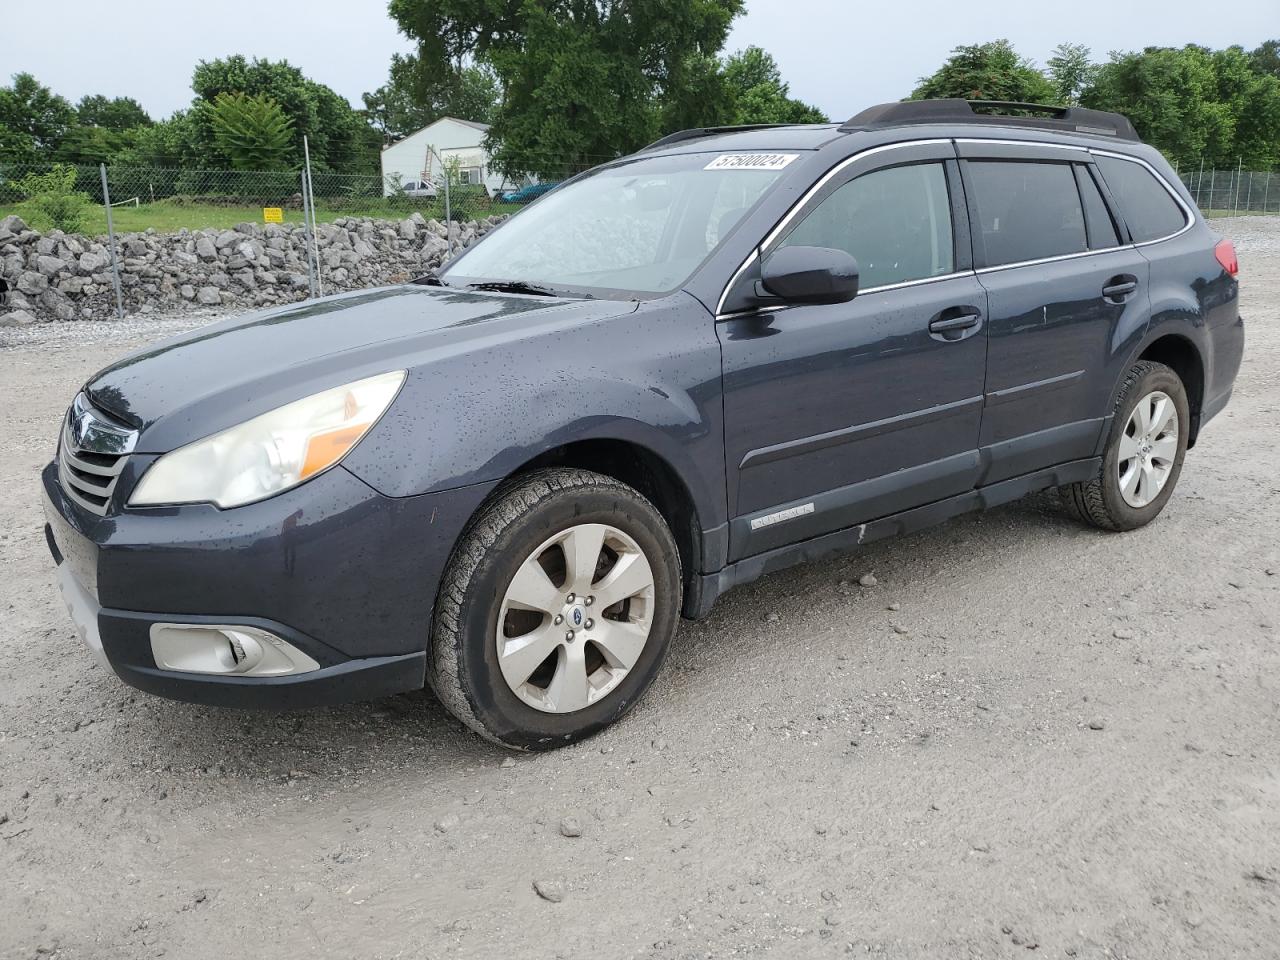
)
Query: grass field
[{"x": 167, "y": 217}]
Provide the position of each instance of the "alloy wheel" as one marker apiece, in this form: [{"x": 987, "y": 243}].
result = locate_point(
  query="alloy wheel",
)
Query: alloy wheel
[
  {"x": 575, "y": 618},
  {"x": 1148, "y": 449}
]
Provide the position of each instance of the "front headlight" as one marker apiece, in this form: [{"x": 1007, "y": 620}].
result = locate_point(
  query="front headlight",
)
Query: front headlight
[{"x": 270, "y": 453}]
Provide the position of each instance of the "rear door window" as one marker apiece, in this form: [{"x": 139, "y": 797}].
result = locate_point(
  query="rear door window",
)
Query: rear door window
[
  {"x": 1147, "y": 207},
  {"x": 895, "y": 222},
  {"x": 1026, "y": 210}
]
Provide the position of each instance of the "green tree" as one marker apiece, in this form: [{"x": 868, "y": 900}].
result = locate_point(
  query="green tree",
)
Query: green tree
[
  {"x": 117, "y": 114},
  {"x": 408, "y": 101},
  {"x": 1258, "y": 126},
  {"x": 1195, "y": 104},
  {"x": 1071, "y": 71},
  {"x": 582, "y": 81},
  {"x": 94, "y": 145},
  {"x": 104, "y": 129},
  {"x": 167, "y": 143},
  {"x": 252, "y": 131},
  {"x": 1266, "y": 59},
  {"x": 336, "y": 133},
  {"x": 760, "y": 95},
  {"x": 33, "y": 115},
  {"x": 987, "y": 71},
  {"x": 15, "y": 145}
]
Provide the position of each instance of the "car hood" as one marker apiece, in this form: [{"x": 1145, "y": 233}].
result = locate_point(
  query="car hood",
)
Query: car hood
[{"x": 217, "y": 376}]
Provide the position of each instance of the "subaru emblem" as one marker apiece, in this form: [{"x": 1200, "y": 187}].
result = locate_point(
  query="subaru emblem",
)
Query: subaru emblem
[{"x": 80, "y": 429}]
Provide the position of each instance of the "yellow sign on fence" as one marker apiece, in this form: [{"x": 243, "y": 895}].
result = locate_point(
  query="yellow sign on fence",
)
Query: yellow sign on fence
[{"x": 272, "y": 215}]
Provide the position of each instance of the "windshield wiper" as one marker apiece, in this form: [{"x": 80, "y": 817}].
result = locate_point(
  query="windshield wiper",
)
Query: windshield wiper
[{"x": 515, "y": 286}]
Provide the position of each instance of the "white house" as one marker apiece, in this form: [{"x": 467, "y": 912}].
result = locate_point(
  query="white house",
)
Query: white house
[{"x": 418, "y": 156}]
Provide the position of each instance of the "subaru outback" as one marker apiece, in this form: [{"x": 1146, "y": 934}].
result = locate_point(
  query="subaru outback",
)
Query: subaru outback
[{"x": 735, "y": 350}]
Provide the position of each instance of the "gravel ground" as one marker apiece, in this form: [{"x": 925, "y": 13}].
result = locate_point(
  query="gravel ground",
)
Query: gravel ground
[{"x": 1026, "y": 735}]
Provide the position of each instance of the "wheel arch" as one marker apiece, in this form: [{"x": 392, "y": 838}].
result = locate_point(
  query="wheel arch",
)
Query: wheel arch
[
  {"x": 1181, "y": 355},
  {"x": 643, "y": 469}
]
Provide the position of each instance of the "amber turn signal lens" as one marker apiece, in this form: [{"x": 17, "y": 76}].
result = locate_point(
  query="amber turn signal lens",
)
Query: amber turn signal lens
[{"x": 327, "y": 448}]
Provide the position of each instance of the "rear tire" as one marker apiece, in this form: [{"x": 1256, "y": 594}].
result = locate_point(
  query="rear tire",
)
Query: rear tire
[
  {"x": 1144, "y": 453},
  {"x": 588, "y": 550}
]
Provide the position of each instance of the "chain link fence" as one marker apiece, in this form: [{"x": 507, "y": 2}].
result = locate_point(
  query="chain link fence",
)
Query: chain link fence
[
  {"x": 170, "y": 199},
  {"x": 132, "y": 209},
  {"x": 1234, "y": 192}
]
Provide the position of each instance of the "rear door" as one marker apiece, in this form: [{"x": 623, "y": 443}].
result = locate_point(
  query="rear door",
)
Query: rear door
[
  {"x": 839, "y": 414},
  {"x": 1064, "y": 288}
]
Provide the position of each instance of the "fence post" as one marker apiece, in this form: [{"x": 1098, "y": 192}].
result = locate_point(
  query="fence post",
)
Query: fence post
[
  {"x": 448, "y": 211},
  {"x": 1200, "y": 183},
  {"x": 306, "y": 239},
  {"x": 1266, "y": 193},
  {"x": 1213, "y": 176},
  {"x": 1248, "y": 197},
  {"x": 310, "y": 197},
  {"x": 1235, "y": 202},
  {"x": 111, "y": 243}
]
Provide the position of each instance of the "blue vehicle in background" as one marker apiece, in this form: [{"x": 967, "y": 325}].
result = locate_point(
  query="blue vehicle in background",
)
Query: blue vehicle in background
[{"x": 528, "y": 194}]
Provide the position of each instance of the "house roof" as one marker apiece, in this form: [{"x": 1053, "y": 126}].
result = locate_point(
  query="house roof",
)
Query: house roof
[{"x": 475, "y": 125}]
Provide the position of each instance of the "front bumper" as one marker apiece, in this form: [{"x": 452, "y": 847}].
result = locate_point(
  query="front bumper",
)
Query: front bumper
[{"x": 339, "y": 571}]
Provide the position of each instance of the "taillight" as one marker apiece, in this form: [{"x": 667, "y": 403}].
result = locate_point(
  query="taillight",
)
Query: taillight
[{"x": 1225, "y": 251}]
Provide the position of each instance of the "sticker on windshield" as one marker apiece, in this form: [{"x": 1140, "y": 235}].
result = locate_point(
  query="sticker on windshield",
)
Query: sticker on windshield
[{"x": 751, "y": 161}]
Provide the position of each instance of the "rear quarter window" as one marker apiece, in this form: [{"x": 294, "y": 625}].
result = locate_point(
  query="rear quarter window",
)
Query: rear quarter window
[{"x": 1147, "y": 207}]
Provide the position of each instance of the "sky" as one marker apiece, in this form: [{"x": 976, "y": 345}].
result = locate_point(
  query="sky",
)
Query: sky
[{"x": 836, "y": 54}]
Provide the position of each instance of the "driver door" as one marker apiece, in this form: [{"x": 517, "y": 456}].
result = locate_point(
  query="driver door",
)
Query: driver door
[{"x": 844, "y": 413}]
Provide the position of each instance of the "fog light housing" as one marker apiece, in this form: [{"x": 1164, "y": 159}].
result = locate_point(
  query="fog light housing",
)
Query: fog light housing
[{"x": 227, "y": 650}]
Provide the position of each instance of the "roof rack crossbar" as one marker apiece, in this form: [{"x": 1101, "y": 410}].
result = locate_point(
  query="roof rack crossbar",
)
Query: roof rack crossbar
[
  {"x": 1069, "y": 119},
  {"x": 695, "y": 133}
]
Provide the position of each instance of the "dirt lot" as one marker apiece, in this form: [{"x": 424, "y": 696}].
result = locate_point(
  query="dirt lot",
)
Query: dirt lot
[{"x": 1071, "y": 745}]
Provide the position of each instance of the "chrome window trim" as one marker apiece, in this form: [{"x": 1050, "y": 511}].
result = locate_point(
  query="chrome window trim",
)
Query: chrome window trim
[
  {"x": 755, "y": 252},
  {"x": 1054, "y": 259},
  {"x": 1187, "y": 212},
  {"x": 808, "y": 195},
  {"x": 989, "y": 141},
  {"x": 915, "y": 283}
]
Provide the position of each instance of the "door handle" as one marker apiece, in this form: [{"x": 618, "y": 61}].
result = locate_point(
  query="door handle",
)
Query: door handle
[
  {"x": 1120, "y": 288},
  {"x": 955, "y": 323}
]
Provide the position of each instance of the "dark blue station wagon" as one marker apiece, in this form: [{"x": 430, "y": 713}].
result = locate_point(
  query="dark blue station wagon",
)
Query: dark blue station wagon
[{"x": 735, "y": 350}]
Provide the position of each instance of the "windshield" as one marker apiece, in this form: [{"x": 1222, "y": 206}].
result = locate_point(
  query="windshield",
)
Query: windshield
[{"x": 633, "y": 230}]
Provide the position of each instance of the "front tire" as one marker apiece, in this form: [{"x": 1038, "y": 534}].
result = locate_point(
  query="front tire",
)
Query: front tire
[
  {"x": 556, "y": 610},
  {"x": 1144, "y": 453}
]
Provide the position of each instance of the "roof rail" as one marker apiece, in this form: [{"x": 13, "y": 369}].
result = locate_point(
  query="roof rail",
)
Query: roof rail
[
  {"x": 696, "y": 132},
  {"x": 998, "y": 112}
]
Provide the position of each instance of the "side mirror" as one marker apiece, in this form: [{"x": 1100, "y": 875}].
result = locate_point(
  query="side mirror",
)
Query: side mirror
[{"x": 810, "y": 275}]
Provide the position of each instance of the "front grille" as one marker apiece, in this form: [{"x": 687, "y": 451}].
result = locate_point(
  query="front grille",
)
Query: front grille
[{"x": 92, "y": 452}]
